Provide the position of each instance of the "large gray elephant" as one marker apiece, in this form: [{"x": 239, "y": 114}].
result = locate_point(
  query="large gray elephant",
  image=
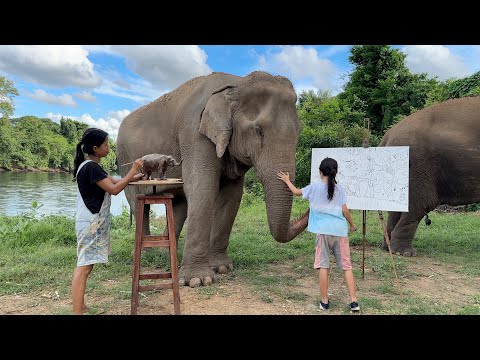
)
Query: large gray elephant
[
  {"x": 220, "y": 125},
  {"x": 444, "y": 142}
]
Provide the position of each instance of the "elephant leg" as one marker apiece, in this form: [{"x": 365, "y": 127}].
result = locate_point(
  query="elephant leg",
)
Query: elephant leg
[
  {"x": 195, "y": 268},
  {"x": 393, "y": 218},
  {"x": 403, "y": 234},
  {"x": 225, "y": 211}
]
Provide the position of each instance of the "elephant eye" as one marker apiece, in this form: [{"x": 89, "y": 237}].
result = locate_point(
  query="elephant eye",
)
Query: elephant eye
[{"x": 259, "y": 131}]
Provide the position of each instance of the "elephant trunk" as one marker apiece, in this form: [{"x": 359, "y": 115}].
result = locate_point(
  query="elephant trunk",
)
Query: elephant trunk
[
  {"x": 278, "y": 199},
  {"x": 176, "y": 163}
]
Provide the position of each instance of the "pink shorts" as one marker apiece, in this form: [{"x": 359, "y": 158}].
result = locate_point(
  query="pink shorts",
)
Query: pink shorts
[{"x": 326, "y": 244}]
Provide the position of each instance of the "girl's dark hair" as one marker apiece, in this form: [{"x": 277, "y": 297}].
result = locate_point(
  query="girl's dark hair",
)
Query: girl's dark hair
[
  {"x": 329, "y": 167},
  {"x": 91, "y": 137}
]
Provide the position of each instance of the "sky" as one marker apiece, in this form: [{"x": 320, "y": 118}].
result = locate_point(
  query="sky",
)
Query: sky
[{"x": 101, "y": 84}]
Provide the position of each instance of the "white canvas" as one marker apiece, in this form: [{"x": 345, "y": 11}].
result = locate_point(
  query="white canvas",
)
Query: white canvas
[{"x": 375, "y": 178}]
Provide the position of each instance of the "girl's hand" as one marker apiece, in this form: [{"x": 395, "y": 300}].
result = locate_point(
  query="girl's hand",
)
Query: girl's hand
[
  {"x": 353, "y": 228},
  {"x": 284, "y": 176}
]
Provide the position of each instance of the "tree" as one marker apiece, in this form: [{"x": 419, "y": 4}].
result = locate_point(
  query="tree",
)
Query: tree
[
  {"x": 382, "y": 87},
  {"x": 455, "y": 88},
  {"x": 7, "y": 91}
]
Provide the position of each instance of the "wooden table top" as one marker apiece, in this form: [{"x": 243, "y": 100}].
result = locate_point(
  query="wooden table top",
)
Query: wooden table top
[{"x": 168, "y": 181}]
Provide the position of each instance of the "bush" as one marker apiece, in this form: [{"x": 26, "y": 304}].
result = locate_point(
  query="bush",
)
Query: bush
[{"x": 472, "y": 207}]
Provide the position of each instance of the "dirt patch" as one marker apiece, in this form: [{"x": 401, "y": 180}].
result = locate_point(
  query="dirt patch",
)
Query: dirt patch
[{"x": 423, "y": 281}]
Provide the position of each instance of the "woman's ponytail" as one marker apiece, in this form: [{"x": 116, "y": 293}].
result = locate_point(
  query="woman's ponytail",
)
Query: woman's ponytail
[{"x": 79, "y": 158}]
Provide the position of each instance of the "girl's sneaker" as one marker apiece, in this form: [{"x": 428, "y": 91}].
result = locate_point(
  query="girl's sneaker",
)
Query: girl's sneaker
[
  {"x": 354, "y": 307},
  {"x": 323, "y": 306}
]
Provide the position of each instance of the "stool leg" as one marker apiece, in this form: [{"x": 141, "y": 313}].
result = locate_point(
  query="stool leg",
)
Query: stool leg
[
  {"x": 173, "y": 257},
  {"x": 137, "y": 257}
]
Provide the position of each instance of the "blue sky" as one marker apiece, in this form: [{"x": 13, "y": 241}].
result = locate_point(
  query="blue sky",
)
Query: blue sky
[{"x": 101, "y": 84}]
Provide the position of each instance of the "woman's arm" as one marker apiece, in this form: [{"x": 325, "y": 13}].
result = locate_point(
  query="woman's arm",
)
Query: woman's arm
[
  {"x": 285, "y": 178},
  {"x": 114, "y": 181},
  {"x": 116, "y": 187},
  {"x": 135, "y": 178}
]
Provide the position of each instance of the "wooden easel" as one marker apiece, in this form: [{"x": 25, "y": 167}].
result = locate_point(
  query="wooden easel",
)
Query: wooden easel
[{"x": 366, "y": 144}]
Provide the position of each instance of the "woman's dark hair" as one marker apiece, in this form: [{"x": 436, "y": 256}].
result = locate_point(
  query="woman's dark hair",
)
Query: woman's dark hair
[
  {"x": 329, "y": 167},
  {"x": 91, "y": 137}
]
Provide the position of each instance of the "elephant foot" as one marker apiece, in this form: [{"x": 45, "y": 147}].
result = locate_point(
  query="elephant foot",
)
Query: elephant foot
[
  {"x": 195, "y": 276},
  {"x": 221, "y": 263},
  {"x": 399, "y": 249}
]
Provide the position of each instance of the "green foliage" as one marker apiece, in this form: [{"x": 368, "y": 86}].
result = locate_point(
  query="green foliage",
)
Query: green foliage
[
  {"x": 454, "y": 88},
  {"x": 325, "y": 136},
  {"x": 472, "y": 207},
  {"x": 382, "y": 87},
  {"x": 72, "y": 130},
  {"x": 9, "y": 146},
  {"x": 252, "y": 183},
  {"x": 28, "y": 230},
  {"x": 110, "y": 161},
  {"x": 7, "y": 92},
  {"x": 52, "y": 146}
]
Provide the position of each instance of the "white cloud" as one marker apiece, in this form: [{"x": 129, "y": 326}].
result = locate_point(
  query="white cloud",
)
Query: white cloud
[
  {"x": 43, "y": 96},
  {"x": 164, "y": 66},
  {"x": 436, "y": 60},
  {"x": 111, "y": 124},
  {"x": 139, "y": 91},
  {"x": 51, "y": 65},
  {"x": 85, "y": 95},
  {"x": 302, "y": 65}
]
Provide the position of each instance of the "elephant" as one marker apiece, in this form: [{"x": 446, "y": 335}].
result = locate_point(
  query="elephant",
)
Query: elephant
[
  {"x": 444, "y": 141},
  {"x": 220, "y": 125}
]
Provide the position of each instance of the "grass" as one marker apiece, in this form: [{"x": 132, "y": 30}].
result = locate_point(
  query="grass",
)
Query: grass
[{"x": 38, "y": 255}]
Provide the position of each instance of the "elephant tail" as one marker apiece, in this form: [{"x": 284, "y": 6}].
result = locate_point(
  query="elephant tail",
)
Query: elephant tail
[{"x": 428, "y": 222}]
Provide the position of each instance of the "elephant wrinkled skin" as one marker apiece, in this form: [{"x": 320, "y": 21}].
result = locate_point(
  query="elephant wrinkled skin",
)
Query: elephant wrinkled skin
[
  {"x": 444, "y": 142},
  {"x": 220, "y": 125}
]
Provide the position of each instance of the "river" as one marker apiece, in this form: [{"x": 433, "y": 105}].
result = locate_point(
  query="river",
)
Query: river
[{"x": 55, "y": 193}]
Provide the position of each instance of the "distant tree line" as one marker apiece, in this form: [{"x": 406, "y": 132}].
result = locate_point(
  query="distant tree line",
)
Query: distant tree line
[{"x": 30, "y": 142}]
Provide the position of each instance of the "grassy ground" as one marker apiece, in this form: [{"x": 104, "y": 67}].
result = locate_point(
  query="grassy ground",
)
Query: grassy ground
[{"x": 37, "y": 258}]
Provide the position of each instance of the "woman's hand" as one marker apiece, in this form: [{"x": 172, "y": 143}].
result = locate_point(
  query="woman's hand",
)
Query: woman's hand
[
  {"x": 353, "y": 228},
  {"x": 137, "y": 165},
  {"x": 137, "y": 176}
]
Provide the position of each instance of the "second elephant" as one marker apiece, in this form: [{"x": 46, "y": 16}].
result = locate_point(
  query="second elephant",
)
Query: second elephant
[{"x": 444, "y": 142}]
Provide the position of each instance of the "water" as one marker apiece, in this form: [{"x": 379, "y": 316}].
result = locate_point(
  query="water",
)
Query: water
[{"x": 56, "y": 191}]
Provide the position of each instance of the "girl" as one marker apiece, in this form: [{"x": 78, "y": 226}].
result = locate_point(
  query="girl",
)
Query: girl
[
  {"x": 328, "y": 219},
  {"x": 92, "y": 220}
]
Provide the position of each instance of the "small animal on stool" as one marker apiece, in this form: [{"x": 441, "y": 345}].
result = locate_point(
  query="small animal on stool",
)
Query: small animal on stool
[
  {"x": 156, "y": 162},
  {"x": 428, "y": 222}
]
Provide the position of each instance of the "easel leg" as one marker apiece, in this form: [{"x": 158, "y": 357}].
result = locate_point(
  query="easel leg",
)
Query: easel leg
[
  {"x": 387, "y": 240},
  {"x": 364, "y": 229}
]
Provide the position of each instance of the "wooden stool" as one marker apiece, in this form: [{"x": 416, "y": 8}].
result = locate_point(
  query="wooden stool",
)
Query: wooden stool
[{"x": 143, "y": 241}]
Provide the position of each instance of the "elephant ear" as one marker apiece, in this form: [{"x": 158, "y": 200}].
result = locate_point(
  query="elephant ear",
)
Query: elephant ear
[{"x": 216, "y": 120}]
